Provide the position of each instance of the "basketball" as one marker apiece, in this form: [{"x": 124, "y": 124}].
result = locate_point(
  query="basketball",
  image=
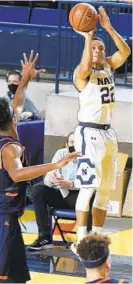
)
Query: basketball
[{"x": 83, "y": 17}]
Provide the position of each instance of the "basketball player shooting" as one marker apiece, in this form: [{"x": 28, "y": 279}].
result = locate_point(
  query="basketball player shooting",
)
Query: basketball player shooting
[{"x": 94, "y": 137}]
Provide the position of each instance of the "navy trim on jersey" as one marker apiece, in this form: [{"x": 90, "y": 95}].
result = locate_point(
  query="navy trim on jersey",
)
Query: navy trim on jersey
[
  {"x": 83, "y": 141},
  {"x": 108, "y": 280},
  {"x": 95, "y": 69}
]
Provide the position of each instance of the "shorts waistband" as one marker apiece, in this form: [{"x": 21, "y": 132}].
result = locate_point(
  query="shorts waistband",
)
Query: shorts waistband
[{"x": 95, "y": 125}]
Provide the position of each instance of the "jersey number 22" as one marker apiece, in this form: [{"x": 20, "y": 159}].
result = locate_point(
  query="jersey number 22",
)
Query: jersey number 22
[{"x": 107, "y": 95}]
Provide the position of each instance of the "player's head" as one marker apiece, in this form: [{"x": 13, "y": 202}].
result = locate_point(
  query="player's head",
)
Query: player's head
[
  {"x": 94, "y": 254},
  {"x": 70, "y": 142},
  {"x": 98, "y": 50},
  {"x": 13, "y": 79},
  {"x": 6, "y": 115}
]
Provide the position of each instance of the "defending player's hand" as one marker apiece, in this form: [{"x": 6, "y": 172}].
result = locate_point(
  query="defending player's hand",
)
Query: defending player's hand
[
  {"x": 104, "y": 19},
  {"x": 66, "y": 159},
  {"x": 28, "y": 65}
]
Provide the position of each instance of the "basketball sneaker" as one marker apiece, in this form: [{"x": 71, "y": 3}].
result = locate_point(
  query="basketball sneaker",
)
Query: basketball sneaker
[{"x": 40, "y": 244}]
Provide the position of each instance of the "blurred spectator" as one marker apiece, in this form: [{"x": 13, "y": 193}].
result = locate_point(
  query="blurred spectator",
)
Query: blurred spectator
[
  {"x": 94, "y": 255},
  {"x": 58, "y": 191},
  {"x": 29, "y": 110}
]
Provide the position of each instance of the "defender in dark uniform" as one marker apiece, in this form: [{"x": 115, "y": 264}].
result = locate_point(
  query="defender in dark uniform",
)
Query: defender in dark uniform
[
  {"x": 13, "y": 267},
  {"x": 13, "y": 177}
]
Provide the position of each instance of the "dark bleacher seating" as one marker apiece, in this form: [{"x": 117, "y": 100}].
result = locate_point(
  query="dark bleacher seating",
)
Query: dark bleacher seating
[
  {"x": 43, "y": 16},
  {"x": 122, "y": 22},
  {"x": 44, "y": 4},
  {"x": 14, "y": 14},
  {"x": 14, "y": 40},
  {"x": 42, "y": 35},
  {"x": 15, "y": 3}
]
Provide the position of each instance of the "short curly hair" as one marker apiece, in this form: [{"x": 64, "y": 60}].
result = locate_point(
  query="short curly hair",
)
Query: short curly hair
[
  {"x": 93, "y": 247},
  {"x": 5, "y": 114}
]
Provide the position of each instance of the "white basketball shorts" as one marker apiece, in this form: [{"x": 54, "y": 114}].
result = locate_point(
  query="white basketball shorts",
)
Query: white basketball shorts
[{"x": 98, "y": 164}]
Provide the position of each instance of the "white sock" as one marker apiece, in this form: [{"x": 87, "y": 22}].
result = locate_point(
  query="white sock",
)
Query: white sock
[
  {"x": 97, "y": 230},
  {"x": 81, "y": 233}
]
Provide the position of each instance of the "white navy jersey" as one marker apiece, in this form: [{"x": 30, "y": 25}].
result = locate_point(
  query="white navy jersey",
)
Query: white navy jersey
[{"x": 97, "y": 98}]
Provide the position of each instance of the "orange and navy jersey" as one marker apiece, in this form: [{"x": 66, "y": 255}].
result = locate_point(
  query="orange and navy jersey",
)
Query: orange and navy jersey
[
  {"x": 12, "y": 195},
  {"x": 109, "y": 280}
]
